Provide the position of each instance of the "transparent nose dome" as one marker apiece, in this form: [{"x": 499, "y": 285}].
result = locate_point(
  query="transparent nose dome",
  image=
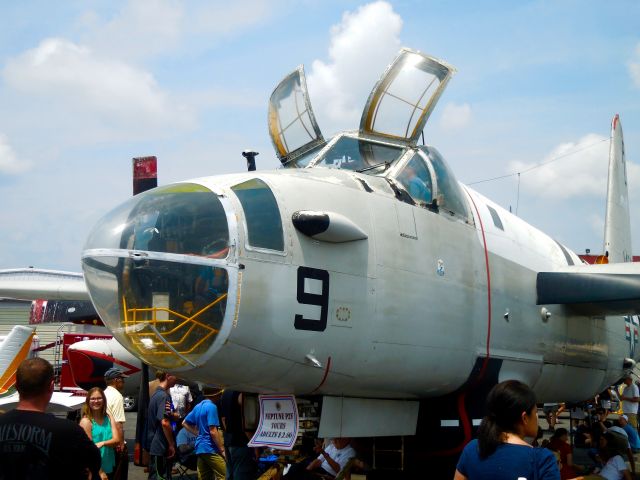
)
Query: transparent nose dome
[{"x": 154, "y": 271}]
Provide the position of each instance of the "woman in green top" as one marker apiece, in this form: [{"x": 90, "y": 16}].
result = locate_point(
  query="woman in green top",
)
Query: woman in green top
[{"x": 100, "y": 428}]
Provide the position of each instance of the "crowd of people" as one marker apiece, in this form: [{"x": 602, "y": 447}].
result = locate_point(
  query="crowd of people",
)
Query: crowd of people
[
  {"x": 208, "y": 434},
  {"x": 212, "y": 433},
  {"x": 502, "y": 451}
]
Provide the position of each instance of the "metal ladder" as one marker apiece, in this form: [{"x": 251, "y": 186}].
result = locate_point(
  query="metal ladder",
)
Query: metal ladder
[{"x": 58, "y": 350}]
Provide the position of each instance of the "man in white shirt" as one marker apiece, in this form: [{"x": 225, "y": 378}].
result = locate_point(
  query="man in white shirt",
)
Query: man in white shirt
[
  {"x": 331, "y": 461},
  {"x": 630, "y": 398},
  {"x": 182, "y": 399},
  {"x": 334, "y": 458},
  {"x": 114, "y": 378}
]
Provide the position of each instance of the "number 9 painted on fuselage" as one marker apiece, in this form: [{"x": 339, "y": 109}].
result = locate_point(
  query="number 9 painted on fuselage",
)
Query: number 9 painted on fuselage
[{"x": 306, "y": 298}]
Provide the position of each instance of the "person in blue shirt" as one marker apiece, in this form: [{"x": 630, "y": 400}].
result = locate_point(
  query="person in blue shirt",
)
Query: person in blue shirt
[
  {"x": 416, "y": 185},
  {"x": 203, "y": 422},
  {"x": 500, "y": 451},
  {"x": 632, "y": 433}
]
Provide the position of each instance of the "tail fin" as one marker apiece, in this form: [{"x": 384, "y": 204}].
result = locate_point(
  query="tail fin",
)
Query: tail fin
[
  {"x": 617, "y": 226},
  {"x": 13, "y": 350}
]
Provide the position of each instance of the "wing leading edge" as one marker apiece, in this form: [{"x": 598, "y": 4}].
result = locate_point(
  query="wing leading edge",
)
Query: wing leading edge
[
  {"x": 610, "y": 289},
  {"x": 32, "y": 284}
]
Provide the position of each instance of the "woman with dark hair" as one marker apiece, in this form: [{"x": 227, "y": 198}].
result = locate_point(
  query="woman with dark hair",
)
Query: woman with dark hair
[
  {"x": 500, "y": 451},
  {"x": 560, "y": 443},
  {"x": 101, "y": 429},
  {"x": 614, "y": 466}
]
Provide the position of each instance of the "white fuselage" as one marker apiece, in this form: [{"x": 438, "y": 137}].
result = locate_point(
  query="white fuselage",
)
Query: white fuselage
[{"x": 409, "y": 308}]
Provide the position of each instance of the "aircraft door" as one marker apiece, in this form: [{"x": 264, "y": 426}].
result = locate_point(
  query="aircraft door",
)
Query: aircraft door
[
  {"x": 400, "y": 104},
  {"x": 292, "y": 124}
]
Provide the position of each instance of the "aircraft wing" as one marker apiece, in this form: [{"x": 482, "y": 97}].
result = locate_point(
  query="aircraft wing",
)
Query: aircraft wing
[
  {"x": 60, "y": 402},
  {"x": 32, "y": 284},
  {"x": 607, "y": 289},
  {"x": 14, "y": 349}
]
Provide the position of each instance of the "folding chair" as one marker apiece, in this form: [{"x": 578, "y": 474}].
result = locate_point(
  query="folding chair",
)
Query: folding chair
[{"x": 184, "y": 464}]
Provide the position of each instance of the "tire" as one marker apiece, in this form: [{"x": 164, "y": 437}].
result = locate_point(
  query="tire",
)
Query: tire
[{"x": 130, "y": 404}]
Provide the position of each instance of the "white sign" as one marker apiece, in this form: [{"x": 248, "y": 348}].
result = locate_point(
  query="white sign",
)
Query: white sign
[{"x": 278, "y": 425}]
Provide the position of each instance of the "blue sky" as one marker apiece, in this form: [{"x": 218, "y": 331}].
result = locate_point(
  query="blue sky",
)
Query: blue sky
[{"x": 86, "y": 85}]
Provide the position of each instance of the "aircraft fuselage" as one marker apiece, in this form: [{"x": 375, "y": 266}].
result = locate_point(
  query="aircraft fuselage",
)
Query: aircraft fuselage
[{"x": 404, "y": 313}]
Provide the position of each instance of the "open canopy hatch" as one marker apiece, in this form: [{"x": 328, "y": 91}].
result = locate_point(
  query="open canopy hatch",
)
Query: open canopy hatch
[
  {"x": 400, "y": 104},
  {"x": 397, "y": 109},
  {"x": 292, "y": 125}
]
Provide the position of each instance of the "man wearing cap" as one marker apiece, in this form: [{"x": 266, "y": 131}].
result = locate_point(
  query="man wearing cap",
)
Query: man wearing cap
[
  {"x": 630, "y": 397},
  {"x": 632, "y": 433},
  {"x": 114, "y": 378}
]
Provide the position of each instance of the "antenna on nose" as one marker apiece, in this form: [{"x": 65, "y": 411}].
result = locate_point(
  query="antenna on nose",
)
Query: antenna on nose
[{"x": 250, "y": 155}]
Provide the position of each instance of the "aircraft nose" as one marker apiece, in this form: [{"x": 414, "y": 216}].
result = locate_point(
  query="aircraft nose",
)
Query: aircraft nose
[
  {"x": 161, "y": 270},
  {"x": 87, "y": 368}
]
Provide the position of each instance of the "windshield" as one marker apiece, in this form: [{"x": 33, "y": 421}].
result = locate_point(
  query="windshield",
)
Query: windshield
[
  {"x": 359, "y": 155},
  {"x": 451, "y": 198},
  {"x": 303, "y": 160}
]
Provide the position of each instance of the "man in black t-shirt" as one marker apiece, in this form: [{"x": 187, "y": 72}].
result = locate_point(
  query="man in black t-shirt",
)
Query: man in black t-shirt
[
  {"x": 241, "y": 459},
  {"x": 37, "y": 445}
]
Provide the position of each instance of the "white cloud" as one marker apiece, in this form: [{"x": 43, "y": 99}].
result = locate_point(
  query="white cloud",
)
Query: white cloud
[
  {"x": 634, "y": 67},
  {"x": 141, "y": 28},
  {"x": 361, "y": 46},
  {"x": 580, "y": 170},
  {"x": 575, "y": 169},
  {"x": 9, "y": 163},
  {"x": 455, "y": 116},
  {"x": 75, "y": 78},
  {"x": 223, "y": 17},
  {"x": 146, "y": 28}
]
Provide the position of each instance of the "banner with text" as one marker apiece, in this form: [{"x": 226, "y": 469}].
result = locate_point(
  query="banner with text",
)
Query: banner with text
[{"x": 278, "y": 426}]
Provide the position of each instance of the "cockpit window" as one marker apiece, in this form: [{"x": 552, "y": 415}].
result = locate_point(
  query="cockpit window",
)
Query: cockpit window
[
  {"x": 183, "y": 218},
  {"x": 359, "y": 155},
  {"x": 450, "y": 195},
  {"x": 264, "y": 226},
  {"x": 416, "y": 180},
  {"x": 303, "y": 160}
]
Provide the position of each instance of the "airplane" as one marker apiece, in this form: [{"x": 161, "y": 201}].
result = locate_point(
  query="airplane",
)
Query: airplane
[
  {"x": 14, "y": 348},
  {"x": 90, "y": 359},
  {"x": 363, "y": 274}
]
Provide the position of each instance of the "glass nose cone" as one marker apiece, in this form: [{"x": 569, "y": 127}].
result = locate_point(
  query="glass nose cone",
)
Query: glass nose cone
[{"x": 154, "y": 272}]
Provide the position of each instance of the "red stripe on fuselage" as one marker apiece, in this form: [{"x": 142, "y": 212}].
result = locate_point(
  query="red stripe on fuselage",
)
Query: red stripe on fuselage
[
  {"x": 324, "y": 378},
  {"x": 486, "y": 261},
  {"x": 462, "y": 411}
]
